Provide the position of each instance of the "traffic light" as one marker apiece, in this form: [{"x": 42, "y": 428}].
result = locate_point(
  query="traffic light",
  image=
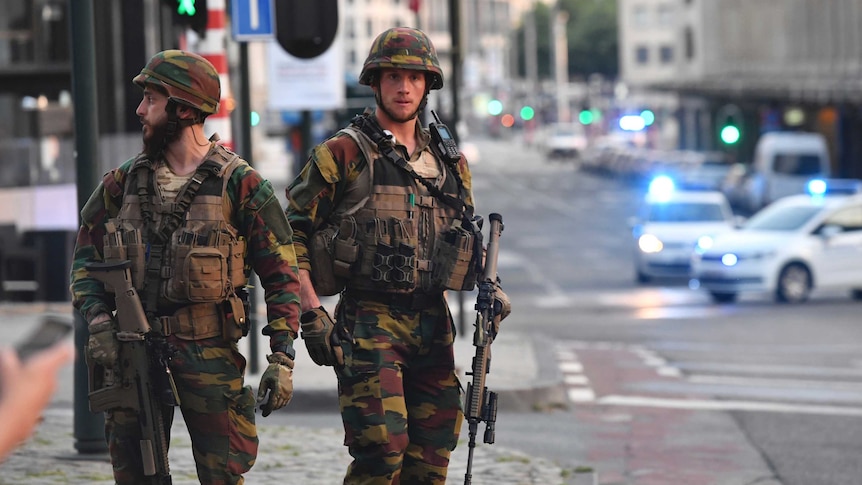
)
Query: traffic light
[
  {"x": 586, "y": 117},
  {"x": 305, "y": 29},
  {"x": 190, "y": 14},
  {"x": 729, "y": 123},
  {"x": 527, "y": 113},
  {"x": 495, "y": 107}
]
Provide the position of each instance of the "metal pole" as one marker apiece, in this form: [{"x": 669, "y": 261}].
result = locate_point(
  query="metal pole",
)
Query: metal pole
[
  {"x": 88, "y": 427},
  {"x": 245, "y": 149},
  {"x": 455, "y": 26}
]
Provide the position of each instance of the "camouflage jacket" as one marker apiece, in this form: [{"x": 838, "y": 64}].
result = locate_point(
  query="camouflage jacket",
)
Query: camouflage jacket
[
  {"x": 332, "y": 168},
  {"x": 254, "y": 211}
]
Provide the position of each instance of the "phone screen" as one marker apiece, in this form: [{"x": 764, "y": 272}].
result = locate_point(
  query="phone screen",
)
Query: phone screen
[
  {"x": 51, "y": 330},
  {"x": 443, "y": 132}
]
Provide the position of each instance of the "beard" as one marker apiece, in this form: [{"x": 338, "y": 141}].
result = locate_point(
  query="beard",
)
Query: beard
[
  {"x": 158, "y": 139},
  {"x": 398, "y": 119}
]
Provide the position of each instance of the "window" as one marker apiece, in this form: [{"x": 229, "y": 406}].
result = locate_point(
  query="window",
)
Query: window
[
  {"x": 849, "y": 218},
  {"x": 641, "y": 55},
  {"x": 796, "y": 164},
  {"x": 689, "y": 44},
  {"x": 666, "y": 54},
  {"x": 665, "y": 15},
  {"x": 640, "y": 16}
]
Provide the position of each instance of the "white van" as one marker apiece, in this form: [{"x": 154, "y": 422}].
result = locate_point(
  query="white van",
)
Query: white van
[{"x": 783, "y": 164}]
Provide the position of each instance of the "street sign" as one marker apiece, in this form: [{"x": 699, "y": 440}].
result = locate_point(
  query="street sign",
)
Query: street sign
[{"x": 252, "y": 20}]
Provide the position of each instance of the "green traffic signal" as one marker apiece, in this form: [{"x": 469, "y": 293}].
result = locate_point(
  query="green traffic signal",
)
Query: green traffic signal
[
  {"x": 586, "y": 117},
  {"x": 186, "y": 7},
  {"x": 729, "y": 134},
  {"x": 527, "y": 113}
]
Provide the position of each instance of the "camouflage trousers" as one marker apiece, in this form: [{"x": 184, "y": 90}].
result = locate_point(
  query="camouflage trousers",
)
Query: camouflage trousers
[
  {"x": 217, "y": 409},
  {"x": 399, "y": 396}
]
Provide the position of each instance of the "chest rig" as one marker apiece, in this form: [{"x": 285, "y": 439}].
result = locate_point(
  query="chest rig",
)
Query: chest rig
[
  {"x": 187, "y": 259},
  {"x": 399, "y": 236}
]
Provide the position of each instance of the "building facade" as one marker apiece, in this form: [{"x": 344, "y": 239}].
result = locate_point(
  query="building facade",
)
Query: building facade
[{"x": 785, "y": 64}]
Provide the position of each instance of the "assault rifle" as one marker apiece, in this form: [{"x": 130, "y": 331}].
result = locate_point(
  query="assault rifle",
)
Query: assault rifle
[
  {"x": 141, "y": 381},
  {"x": 481, "y": 404}
]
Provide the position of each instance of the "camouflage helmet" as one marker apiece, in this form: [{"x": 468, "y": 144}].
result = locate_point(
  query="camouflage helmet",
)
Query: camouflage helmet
[
  {"x": 188, "y": 78},
  {"x": 403, "y": 48}
]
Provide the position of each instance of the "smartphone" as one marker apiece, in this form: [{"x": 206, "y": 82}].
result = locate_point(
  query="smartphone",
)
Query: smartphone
[{"x": 52, "y": 329}]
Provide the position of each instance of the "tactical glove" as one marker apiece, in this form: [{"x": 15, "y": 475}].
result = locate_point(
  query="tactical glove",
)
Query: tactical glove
[
  {"x": 102, "y": 346},
  {"x": 502, "y": 306},
  {"x": 321, "y": 339},
  {"x": 277, "y": 381}
]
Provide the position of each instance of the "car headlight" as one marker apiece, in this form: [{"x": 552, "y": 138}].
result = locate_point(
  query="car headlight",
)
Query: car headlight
[
  {"x": 729, "y": 259},
  {"x": 703, "y": 243},
  {"x": 648, "y": 243}
]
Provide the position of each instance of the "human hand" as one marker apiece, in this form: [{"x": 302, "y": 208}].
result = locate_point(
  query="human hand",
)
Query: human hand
[
  {"x": 320, "y": 340},
  {"x": 277, "y": 381},
  {"x": 102, "y": 345},
  {"x": 25, "y": 390},
  {"x": 502, "y": 306}
]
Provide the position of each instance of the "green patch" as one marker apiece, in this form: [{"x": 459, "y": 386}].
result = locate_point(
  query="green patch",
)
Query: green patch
[{"x": 511, "y": 459}]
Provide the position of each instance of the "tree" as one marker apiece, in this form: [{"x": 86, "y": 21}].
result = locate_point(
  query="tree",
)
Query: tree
[{"x": 591, "y": 31}]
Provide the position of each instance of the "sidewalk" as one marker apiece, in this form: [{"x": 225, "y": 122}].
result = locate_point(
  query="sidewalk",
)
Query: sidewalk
[{"x": 311, "y": 451}]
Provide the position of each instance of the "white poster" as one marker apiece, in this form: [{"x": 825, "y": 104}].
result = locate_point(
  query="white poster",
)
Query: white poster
[{"x": 306, "y": 84}]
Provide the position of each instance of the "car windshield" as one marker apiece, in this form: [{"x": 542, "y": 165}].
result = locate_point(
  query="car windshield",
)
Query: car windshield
[
  {"x": 782, "y": 218},
  {"x": 685, "y": 212}
]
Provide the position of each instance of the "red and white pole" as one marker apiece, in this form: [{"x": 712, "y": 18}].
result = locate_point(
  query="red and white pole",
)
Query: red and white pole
[{"x": 213, "y": 48}]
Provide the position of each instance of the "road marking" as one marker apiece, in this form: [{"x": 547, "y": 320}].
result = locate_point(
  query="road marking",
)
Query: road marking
[
  {"x": 765, "y": 382},
  {"x": 706, "y": 405},
  {"x": 577, "y": 383}
]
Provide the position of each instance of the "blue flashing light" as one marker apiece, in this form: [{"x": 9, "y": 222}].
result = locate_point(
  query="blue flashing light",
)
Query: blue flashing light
[
  {"x": 632, "y": 123},
  {"x": 662, "y": 186},
  {"x": 817, "y": 187}
]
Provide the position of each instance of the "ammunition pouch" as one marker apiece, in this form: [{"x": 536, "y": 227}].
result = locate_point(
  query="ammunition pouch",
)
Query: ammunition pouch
[
  {"x": 125, "y": 243},
  {"x": 320, "y": 253},
  {"x": 453, "y": 260},
  {"x": 203, "y": 273}
]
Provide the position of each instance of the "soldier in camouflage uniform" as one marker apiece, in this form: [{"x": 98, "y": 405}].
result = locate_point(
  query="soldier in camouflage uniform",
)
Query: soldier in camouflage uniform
[
  {"x": 371, "y": 230},
  {"x": 194, "y": 219}
]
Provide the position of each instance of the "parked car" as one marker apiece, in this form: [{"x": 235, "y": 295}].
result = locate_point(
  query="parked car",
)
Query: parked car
[
  {"x": 706, "y": 171},
  {"x": 670, "y": 225},
  {"x": 794, "y": 245},
  {"x": 565, "y": 141}
]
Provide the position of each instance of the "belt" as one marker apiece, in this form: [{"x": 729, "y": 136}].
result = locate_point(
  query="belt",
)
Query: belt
[{"x": 413, "y": 301}]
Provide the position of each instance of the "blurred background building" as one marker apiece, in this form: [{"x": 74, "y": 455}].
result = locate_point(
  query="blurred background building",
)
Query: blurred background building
[{"x": 684, "y": 68}]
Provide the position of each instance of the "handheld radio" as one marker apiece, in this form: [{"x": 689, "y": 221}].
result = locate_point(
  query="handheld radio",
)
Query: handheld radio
[{"x": 443, "y": 141}]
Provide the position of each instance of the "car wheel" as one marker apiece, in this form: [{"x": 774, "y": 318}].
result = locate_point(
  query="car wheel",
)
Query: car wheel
[
  {"x": 722, "y": 297},
  {"x": 794, "y": 284},
  {"x": 856, "y": 293}
]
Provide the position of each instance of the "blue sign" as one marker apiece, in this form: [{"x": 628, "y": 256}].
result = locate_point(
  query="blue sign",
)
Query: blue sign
[{"x": 252, "y": 20}]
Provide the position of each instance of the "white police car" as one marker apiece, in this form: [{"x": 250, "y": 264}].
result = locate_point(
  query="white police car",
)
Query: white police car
[
  {"x": 793, "y": 245},
  {"x": 670, "y": 224}
]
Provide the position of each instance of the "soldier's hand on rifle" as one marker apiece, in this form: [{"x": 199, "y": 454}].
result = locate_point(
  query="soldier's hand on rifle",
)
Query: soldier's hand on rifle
[
  {"x": 102, "y": 345},
  {"x": 502, "y": 306},
  {"x": 321, "y": 340},
  {"x": 277, "y": 381}
]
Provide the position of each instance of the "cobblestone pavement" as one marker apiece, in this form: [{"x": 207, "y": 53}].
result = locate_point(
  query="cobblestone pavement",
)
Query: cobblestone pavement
[{"x": 289, "y": 454}]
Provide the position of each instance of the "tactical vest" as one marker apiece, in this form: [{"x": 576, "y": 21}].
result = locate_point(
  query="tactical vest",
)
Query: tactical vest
[
  {"x": 391, "y": 235},
  {"x": 184, "y": 274}
]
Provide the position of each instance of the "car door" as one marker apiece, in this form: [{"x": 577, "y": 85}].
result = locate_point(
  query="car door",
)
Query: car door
[{"x": 840, "y": 260}]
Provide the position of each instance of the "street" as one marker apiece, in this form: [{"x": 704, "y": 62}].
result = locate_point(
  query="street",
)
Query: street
[{"x": 785, "y": 380}]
